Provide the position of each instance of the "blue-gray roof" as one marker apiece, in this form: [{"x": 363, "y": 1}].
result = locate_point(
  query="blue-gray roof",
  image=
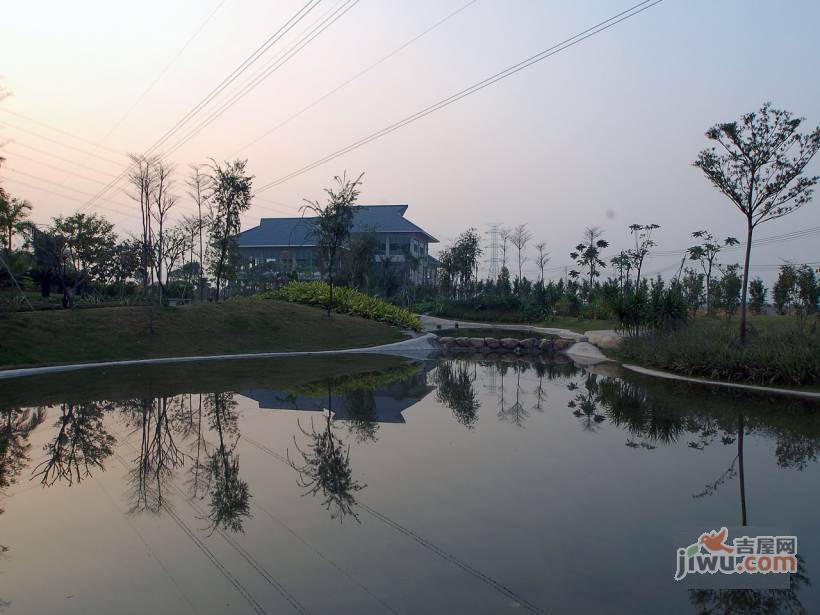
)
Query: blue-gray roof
[{"x": 299, "y": 231}]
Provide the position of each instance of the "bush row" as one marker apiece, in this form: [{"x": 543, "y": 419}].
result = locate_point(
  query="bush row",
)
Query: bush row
[{"x": 345, "y": 301}]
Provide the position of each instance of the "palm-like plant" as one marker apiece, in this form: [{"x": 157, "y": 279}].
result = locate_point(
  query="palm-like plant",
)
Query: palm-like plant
[{"x": 12, "y": 213}]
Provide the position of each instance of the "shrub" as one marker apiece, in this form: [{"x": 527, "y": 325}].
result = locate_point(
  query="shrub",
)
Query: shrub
[
  {"x": 710, "y": 348},
  {"x": 345, "y": 301}
]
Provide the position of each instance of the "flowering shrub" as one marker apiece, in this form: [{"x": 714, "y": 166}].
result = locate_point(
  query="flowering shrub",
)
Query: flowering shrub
[{"x": 345, "y": 301}]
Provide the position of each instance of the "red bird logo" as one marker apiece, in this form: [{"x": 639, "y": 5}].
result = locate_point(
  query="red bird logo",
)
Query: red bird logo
[{"x": 714, "y": 541}]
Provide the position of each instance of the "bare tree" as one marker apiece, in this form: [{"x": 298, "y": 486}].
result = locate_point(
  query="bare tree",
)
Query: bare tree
[
  {"x": 142, "y": 178},
  {"x": 542, "y": 257},
  {"x": 504, "y": 235},
  {"x": 164, "y": 201},
  {"x": 520, "y": 237},
  {"x": 759, "y": 167},
  {"x": 198, "y": 191}
]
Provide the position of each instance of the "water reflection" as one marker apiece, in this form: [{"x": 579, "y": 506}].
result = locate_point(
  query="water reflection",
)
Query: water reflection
[{"x": 184, "y": 445}]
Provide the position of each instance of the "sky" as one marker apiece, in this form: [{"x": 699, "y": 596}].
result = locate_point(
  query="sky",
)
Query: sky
[{"x": 602, "y": 134}]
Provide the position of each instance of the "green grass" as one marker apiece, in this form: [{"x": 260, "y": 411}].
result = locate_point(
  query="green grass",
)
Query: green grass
[
  {"x": 780, "y": 353},
  {"x": 69, "y": 336}
]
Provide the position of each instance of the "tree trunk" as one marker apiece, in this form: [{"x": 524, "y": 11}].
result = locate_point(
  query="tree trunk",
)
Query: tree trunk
[
  {"x": 740, "y": 471},
  {"x": 330, "y": 299},
  {"x": 745, "y": 283}
]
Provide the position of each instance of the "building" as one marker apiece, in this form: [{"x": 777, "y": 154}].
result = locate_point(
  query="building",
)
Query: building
[{"x": 289, "y": 244}]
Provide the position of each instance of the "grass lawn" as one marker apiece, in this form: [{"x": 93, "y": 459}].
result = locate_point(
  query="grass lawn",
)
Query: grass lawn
[{"x": 100, "y": 334}]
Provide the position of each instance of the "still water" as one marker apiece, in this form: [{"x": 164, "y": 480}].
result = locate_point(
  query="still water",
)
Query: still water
[{"x": 370, "y": 485}]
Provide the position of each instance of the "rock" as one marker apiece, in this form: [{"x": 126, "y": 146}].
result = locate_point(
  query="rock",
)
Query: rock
[
  {"x": 477, "y": 342},
  {"x": 463, "y": 341},
  {"x": 491, "y": 342},
  {"x": 509, "y": 343},
  {"x": 545, "y": 345},
  {"x": 446, "y": 341},
  {"x": 560, "y": 344},
  {"x": 526, "y": 343}
]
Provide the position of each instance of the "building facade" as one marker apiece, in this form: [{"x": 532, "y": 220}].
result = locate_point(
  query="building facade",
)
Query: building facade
[{"x": 288, "y": 245}]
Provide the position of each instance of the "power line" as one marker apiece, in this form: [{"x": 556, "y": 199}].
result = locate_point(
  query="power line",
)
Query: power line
[
  {"x": 354, "y": 77},
  {"x": 64, "y": 196},
  {"x": 60, "y": 143},
  {"x": 16, "y": 143},
  {"x": 243, "y": 66},
  {"x": 60, "y": 130},
  {"x": 325, "y": 22},
  {"x": 555, "y": 49},
  {"x": 156, "y": 80}
]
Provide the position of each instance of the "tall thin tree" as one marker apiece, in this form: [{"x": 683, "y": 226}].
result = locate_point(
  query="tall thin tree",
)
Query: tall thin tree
[{"x": 758, "y": 165}]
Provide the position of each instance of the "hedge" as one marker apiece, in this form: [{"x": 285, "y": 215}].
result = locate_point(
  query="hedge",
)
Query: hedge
[{"x": 345, "y": 301}]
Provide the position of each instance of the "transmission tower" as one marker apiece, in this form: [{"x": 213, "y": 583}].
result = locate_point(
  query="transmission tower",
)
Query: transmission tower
[{"x": 492, "y": 256}]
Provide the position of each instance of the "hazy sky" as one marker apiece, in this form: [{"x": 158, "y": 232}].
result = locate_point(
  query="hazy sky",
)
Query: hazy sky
[{"x": 602, "y": 134}]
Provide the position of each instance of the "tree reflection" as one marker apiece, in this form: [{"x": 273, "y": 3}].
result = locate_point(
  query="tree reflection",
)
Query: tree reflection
[
  {"x": 230, "y": 495},
  {"x": 515, "y": 413},
  {"x": 455, "y": 390},
  {"x": 361, "y": 414},
  {"x": 325, "y": 467},
  {"x": 16, "y": 425},
  {"x": 81, "y": 444},
  {"x": 744, "y": 601},
  {"x": 585, "y": 403},
  {"x": 156, "y": 421}
]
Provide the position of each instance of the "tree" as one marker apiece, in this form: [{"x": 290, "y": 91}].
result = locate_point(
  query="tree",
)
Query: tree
[
  {"x": 12, "y": 213},
  {"x": 163, "y": 202},
  {"x": 705, "y": 253},
  {"x": 729, "y": 289},
  {"x": 587, "y": 255},
  {"x": 757, "y": 295},
  {"x": 783, "y": 290},
  {"x": 520, "y": 237},
  {"x": 198, "y": 190},
  {"x": 142, "y": 177},
  {"x": 760, "y": 169},
  {"x": 807, "y": 289},
  {"x": 333, "y": 224},
  {"x": 642, "y": 233},
  {"x": 230, "y": 197},
  {"x": 542, "y": 258},
  {"x": 91, "y": 240},
  {"x": 504, "y": 235}
]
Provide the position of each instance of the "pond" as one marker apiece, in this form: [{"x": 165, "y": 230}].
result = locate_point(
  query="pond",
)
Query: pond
[{"x": 442, "y": 486}]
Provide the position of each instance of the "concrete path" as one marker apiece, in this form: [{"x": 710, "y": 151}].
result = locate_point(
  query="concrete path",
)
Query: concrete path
[
  {"x": 414, "y": 348},
  {"x": 732, "y": 385}
]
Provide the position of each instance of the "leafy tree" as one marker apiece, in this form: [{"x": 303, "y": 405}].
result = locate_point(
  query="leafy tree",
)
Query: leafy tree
[
  {"x": 230, "y": 198},
  {"x": 757, "y": 295},
  {"x": 705, "y": 253},
  {"x": 587, "y": 255},
  {"x": 13, "y": 212},
  {"x": 807, "y": 289},
  {"x": 759, "y": 167},
  {"x": 783, "y": 290},
  {"x": 91, "y": 240},
  {"x": 729, "y": 289},
  {"x": 334, "y": 222}
]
